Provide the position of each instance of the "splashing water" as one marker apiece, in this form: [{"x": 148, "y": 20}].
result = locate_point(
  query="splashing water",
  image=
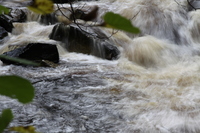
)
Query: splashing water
[{"x": 154, "y": 87}]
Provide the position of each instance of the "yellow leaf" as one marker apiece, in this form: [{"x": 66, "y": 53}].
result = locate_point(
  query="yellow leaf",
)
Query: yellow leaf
[
  {"x": 21, "y": 129},
  {"x": 41, "y": 6}
]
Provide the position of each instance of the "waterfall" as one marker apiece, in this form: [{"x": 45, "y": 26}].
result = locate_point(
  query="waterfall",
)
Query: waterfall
[{"x": 152, "y": 87}]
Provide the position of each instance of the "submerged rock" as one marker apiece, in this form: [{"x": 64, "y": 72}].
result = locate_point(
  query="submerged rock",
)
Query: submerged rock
[
  {"x": 86, "y": 42},
  {"x": 48, "y": 19},
  {"x": 36, "y": 52}
]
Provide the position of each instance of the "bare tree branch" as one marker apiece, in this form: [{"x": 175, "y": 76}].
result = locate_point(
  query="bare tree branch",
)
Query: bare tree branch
[{"x": 191, "y": 5}]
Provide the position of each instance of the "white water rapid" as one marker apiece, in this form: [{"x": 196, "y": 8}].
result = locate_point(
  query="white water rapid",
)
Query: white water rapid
[{"x": 154, "y": 86}]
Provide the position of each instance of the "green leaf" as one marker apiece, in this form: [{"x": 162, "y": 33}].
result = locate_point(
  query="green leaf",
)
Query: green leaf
[
  {"x": 22, "y": 129},
  {"x": 16, "y": 87},
  {"x": 5, "y": 118},
  {"x": 41, "y": 6},
  {"x": 4, "y": 10},
  {"x": 21, "y": 61},
  {"x": 116, "y": 21}
]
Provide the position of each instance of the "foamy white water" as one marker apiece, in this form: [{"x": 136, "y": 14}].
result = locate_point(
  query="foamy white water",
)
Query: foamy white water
[{"x": 154, "y": 87}]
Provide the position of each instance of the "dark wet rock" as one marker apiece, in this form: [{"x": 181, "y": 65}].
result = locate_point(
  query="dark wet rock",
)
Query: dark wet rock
[
  {"x": 111, "y": 52},
  {"x": 18, "y": 15},
  {"x": 62, "y": 1},
  {"x": 36, "y": 52},
  {"x": 80, "y": 41},
  {"x": 193, "y": 5},
  {"x": 6, "y": 23},
  {"x": 87, "y": 16},
  {"x": 48, "y": 19},
  {"x": 3, "y": 33},
  {"x": 68, "y": 1}
]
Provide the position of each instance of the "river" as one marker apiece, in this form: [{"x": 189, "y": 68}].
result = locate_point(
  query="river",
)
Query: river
[{"x": 154, "y": 86}]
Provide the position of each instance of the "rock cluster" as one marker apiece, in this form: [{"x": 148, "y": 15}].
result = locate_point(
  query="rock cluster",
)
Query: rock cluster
[
  {"x": 75, "y": 39},
  {"x": 36, "y": 52},
  {"x": 5, "y": 26}
]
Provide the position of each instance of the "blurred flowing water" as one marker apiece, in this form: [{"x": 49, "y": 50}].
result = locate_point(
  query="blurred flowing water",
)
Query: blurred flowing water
[{"x": 154, "y": 87}]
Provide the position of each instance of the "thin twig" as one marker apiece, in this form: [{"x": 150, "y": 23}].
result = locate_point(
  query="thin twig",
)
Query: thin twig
[
  {"x": 74, "y": 19},
  {"x": 62, "y": 12},
  {"x": 191, "y": 5},
  {"x": 79, "y": 24}
]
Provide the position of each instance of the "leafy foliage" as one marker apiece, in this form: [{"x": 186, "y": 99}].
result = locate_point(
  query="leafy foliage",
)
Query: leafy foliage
[
  {"x": 5, "y": 118},
  {"x": 16, "y": 87},
  {"x": 41, "y": 6},
  {"x": 21, "y": 61},
  {"x": 4, "y": 10},
  {"x": 21, "y": 129},
  {"x": 116, "y": 21}
]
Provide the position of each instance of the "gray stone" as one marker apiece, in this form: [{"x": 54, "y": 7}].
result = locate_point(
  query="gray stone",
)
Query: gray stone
[{"x": 86, "y": 42}]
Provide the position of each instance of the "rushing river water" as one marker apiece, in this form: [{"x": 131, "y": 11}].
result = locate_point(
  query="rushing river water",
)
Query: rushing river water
[{"x": 154, "y": 87}]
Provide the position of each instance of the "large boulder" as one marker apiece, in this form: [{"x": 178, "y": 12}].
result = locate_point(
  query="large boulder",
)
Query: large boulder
[
  {"x": 86, "y": 42},
  {"x": 6, "y": 23},
  {"x": 5, "y": 26},
  {"x": 3, "y": 33},
  {"x": 36, "y": 52}
]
